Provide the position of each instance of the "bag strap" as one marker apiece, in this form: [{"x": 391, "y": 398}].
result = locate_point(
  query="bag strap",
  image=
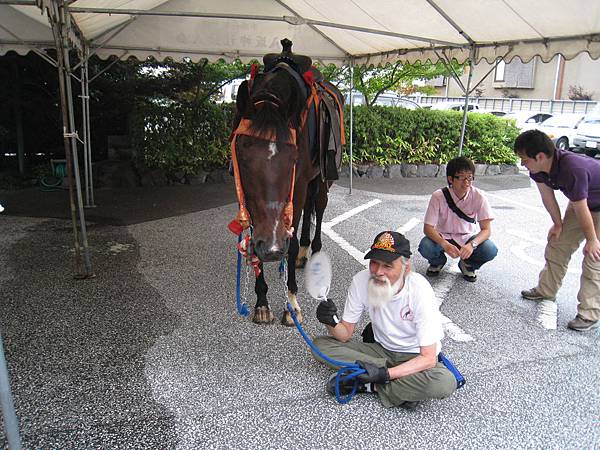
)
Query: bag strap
[{"x": 455, "y": 208}]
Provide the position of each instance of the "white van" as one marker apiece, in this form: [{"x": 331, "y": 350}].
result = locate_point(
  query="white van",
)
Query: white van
[{"x": 587, "y": 139}]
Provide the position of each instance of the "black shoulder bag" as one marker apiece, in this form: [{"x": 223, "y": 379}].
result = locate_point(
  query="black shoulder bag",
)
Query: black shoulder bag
[{"x": 455, "y": 208}]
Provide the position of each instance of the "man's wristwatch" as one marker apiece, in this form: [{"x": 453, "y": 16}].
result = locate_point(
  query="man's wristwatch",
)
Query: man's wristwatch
[{"x": 474, "y": 244}]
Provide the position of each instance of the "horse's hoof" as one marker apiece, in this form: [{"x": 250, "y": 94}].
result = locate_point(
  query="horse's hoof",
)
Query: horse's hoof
[
  {"x": 287, "y": 320},
  {"x": 301, "y": 263},
  {"x": 263, "y": 314}
]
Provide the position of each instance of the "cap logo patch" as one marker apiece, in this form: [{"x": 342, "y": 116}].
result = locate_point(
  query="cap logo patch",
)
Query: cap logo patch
[{"x": 385, "y": 242}]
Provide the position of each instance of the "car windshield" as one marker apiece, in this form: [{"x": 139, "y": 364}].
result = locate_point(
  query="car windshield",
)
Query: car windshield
[
  {"x": 594, "y": 115},
  {"x": 562, "y": 121}
]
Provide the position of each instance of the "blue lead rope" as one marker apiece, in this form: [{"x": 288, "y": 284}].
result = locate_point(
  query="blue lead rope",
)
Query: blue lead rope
[
  {"x": 242, "y": 308},
  {"x": 347, "y": 371}
]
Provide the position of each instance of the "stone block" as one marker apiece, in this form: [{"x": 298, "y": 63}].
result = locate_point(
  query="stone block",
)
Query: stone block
[
  {"x": 442, "y": 171},
  {"x": 375, "y": 171},
  {"x": 480, "y": 169},
  {"x": 493, "y": 169},
  {"x": 197, "y": 178},
  {"x": 409, "y": 170},
  {"x": 394, "y": 171},
  {"x": 509, "y": 169},
  {"x": 427, "y": 170}
]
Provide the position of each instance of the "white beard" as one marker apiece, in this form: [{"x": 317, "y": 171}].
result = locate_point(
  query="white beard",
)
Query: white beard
[{"x": 381, "y": 293}]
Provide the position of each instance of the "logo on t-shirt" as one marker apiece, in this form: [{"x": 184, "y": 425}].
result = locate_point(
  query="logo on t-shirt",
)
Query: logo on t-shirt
[{"x": 406, "y": 314}]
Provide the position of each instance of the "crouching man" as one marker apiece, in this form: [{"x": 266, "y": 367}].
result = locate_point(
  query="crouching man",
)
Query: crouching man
[{"x": 401, "y": 360}]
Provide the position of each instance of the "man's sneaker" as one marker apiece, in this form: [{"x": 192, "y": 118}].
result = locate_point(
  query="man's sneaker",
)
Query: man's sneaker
[
  {"x": 581, "y": 324},
  {"x": 345, "y": 386},
  {"x": 534, "y": 294},
  {"x": 468, "y": 274},
  {"x": 410, "y": 406},
  {"x": 433, "y": 271}
]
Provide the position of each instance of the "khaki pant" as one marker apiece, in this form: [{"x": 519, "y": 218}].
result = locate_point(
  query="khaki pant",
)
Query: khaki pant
[
  {"x": 558, "y": 254},
  {"x": 437, "y": 382}
]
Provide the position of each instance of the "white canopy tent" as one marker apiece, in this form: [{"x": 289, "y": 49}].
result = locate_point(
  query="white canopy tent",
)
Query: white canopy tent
[{"x": 354, "y": 32}]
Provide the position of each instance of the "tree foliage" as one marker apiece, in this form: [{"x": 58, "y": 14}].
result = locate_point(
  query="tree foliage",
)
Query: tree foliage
[{"x": 398, "y": 77}]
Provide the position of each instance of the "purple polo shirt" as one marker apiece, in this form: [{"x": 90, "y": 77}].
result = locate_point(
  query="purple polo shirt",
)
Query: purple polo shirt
[{"x": 576, "y": 176}]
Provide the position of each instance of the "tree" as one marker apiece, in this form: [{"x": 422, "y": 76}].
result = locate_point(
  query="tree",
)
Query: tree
[{"x": 374, "y": 81}]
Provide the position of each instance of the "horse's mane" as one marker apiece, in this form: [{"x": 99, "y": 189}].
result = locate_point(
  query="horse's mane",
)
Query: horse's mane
[{"x": 268, "y": 117}]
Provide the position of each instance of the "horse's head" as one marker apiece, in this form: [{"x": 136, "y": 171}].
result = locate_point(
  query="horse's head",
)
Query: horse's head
[{"x": 266, "y": 154}]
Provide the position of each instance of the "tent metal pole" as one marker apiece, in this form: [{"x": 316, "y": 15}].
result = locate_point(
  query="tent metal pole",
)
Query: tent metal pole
[
  {"x": 72, "y": 134},
  {"x": 465, "y": 110},
  {"x": 11, "y": 423},
  {"x": 351, "y": 118},
  {"x": 89, "y": 132},
  {"x": 83, "y": 81}
]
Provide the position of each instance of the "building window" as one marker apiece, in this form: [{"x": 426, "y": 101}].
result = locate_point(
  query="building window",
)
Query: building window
[{"x": 499, "y": 76}]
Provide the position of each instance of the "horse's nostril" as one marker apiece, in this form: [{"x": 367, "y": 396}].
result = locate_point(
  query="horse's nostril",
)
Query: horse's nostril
[{"x": 268, "y": 254}]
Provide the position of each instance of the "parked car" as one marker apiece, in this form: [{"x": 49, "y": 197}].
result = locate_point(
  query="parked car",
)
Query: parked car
[
  {"x": 493, "y": 112},
  {"x": 455, "y": 106},
  {"x": 527, "y": 120},
  {"x": 562, "y": 128},
  {"x": 587, "y": 138},
  {"x": 385, "y": 99}
]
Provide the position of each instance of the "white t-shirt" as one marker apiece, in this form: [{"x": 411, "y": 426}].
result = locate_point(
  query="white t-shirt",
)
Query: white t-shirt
[{"x": 409, "y": 321}]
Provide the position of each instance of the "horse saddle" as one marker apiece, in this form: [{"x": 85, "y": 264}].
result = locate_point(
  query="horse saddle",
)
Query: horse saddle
[{"x": 300, "y": 63}]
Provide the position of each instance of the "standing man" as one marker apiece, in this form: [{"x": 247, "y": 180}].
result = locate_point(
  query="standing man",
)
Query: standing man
[
  {"x": 450, "y": 224},
  {"x": 401, "y": 361},
  {"x": 578, "y": 177}
]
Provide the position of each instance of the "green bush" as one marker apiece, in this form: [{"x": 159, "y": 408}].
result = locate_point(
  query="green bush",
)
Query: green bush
[
  {"x": 188, "y": 137},
  {"x": 182, "y": 137},
  {"x": 387, "y": 135}
]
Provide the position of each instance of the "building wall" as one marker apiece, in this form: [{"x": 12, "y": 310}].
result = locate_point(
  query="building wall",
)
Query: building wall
[{"x": 581, "y": 71}]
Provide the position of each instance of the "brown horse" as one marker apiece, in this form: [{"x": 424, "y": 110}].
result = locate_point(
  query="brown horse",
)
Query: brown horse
[{"x": 278, "y": 174}]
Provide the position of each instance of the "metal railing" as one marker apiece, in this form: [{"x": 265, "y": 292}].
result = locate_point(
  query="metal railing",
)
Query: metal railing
[{"x": 514, "y": 104}]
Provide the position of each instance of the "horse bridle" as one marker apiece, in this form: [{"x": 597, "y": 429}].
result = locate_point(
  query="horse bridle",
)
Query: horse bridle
[{"x": 242, "y": 219}]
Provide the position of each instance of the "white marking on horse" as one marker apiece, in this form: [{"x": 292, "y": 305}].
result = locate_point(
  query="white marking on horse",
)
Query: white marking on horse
[
  {"x": 272, "y": 150},
  {"x": 274, "y": 247}
]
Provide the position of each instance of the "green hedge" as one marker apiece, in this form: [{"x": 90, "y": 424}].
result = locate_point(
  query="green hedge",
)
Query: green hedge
[
  {"x": 183, "y": 138},
  {"x": 388, "y": 135}
]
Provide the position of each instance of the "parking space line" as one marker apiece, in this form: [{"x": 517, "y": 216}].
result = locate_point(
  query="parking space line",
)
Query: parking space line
[
  {"x": 537, "y": 209},
  {"x": 408, "y": 225},
  {"x": 351, "y": 213}
]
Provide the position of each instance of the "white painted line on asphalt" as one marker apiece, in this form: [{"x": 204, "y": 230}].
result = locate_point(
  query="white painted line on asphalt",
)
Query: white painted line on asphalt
[
  {"x": 441, "y": 289},
  {"x": 519, "y": 250},
  {"x": 452, "y": 330},
  {"x": 352, "y": 212},
  {"x": 409, "y": 225},
  {"x": 547, "y": 314},
  {"x": 345, "y": 245},
  {"x": 522, "y": 205}
]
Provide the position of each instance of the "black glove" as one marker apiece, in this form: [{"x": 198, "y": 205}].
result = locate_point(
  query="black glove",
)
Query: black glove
[
  {"x": 327, "y": 313},
  {"x": 374, "y": 373}
]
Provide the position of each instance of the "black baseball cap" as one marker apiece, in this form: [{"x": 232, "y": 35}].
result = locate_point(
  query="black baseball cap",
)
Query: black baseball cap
[{"x": 388, "y": 246}]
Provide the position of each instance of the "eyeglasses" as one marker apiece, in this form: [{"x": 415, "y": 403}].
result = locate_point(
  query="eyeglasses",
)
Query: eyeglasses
[{"x": 463, "y": 178}]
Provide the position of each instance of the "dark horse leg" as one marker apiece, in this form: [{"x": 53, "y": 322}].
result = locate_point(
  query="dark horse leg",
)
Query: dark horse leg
[
  {"x": 321, "y": 199},
  {"x": 309, "y": 207},
  {"x": 262, "y": 312}
]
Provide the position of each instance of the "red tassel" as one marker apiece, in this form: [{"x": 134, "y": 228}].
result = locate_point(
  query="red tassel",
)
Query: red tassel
[
  {"x": 253, "y": 71},
  {"x": 309, "y": 77},
  {"x": 235, "y": 227}
]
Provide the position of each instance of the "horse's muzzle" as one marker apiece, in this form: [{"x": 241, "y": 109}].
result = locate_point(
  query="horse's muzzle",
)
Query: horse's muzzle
[{"x": 270, "y": 253}]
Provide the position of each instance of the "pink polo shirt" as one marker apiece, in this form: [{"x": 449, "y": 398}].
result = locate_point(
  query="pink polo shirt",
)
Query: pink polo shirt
[{"x": 448, "y": 224}]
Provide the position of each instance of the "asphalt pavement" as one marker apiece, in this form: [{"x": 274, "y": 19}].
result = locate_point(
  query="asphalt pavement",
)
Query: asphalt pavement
[{"x": 151, "y": 353}]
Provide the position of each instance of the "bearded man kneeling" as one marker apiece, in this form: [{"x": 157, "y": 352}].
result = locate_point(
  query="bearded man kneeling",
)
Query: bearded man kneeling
[{"x": 401, "y": 355}]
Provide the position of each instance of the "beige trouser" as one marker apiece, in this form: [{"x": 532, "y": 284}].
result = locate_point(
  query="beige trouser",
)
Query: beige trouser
[
  {"x": 437, "y": 382},
  {"x": 558, "y": 254}
]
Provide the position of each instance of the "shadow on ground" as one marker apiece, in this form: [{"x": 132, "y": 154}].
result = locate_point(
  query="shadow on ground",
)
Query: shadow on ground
[{"x": 76, "y": 349}]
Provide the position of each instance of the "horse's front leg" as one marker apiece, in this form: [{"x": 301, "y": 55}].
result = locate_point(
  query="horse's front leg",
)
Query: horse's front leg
[
  {"x": 320, "y": 204},
  {"x": 262, "y": 312},
  {"x": 292, "y": 285},
  {"x": 305, "y": 235}
]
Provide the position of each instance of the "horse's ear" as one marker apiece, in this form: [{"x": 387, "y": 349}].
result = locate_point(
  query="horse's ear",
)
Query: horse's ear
[{"x": 241, "y": 99}]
